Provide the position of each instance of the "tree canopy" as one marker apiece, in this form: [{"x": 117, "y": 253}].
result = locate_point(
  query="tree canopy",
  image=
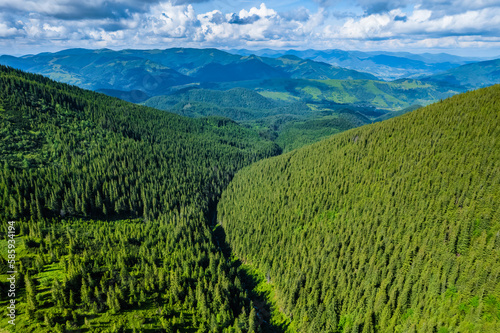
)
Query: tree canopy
[
  {"x": 112, "y": 204},
  {"x": 390, "y": 227}
]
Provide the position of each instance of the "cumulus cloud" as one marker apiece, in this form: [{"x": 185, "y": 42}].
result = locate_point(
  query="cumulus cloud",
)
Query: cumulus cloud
[
  {"x": 421, "y": 22},
  {"x": 168, "y": 20},
  {"x": 7, "y": 31},
  {"x": 402, "y": 18},
  {"x": 213, "y": 17},
  {"x": 236, "y": 19},
  {"x": 77, "y": 10},
  {"x": 160, "y": 23},
  {"x": 298, "y": 14}
]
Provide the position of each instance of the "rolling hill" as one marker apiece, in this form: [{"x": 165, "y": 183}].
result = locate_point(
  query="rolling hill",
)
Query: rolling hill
[
  {"x": 385, "y": 65},
  {"x": 308, "y": 69},
  {"x": 318, "y": 94},
  {"x": 154, "y": 72},
  {"x": 389, "y": 227},
  {"x": 295, "y": 112},
  {"x": 101, "y": 69},
  {"x": 377, "y": 94}
]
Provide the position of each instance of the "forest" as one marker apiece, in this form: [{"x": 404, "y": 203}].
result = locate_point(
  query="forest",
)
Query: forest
[
  {"x": 389, "y": 227},
  {"x": 112, "y": 205},
  {"x": 133, "y": 219}
]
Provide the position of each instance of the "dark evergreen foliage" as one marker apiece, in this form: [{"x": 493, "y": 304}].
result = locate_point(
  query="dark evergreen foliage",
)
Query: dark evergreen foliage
[
  {"x": 390, "y": 227},
  {"x": 112, "y": 203}
]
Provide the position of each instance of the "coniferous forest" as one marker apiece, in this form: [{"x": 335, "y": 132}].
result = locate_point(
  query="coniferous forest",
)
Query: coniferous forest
[
  {"x": 390, "y": 227},
  {"x": 112, "y": 204}
]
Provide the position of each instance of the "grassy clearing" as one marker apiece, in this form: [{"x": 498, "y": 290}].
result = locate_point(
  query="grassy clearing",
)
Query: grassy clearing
[
  {"x": 265, "y": 290},
  {"x": 279, "y": 96}
]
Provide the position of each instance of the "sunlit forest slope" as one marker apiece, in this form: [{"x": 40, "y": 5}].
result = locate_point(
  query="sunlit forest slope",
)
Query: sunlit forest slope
[{"x": 390, "y": 227}]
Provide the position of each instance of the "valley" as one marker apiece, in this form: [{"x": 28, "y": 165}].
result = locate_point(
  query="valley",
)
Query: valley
[
  {"x": 281, "y": 90},
  {"x": 112, "y": 208},
  {"x": 198, "y": 190}
]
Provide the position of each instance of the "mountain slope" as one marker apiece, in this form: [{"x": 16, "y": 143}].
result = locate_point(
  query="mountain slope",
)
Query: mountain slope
[
  {"x": 185, "y": 60},
  {"x": 235, "y": 97},
  {"x": 299, "y": 68},
  {"x": 378, "y": 94},
  {"x": 389, "y": 227},
  {"x": 189, "y": 61},
  {"x": 238, "y": 104},
  {"x": 100, "y": 69},
  {"x": 154, "y": 71},
  {"x": 471, "y": 76},
  {"x": 297, "y": 112},
  {"x": 247, "y": 69},
  {"x": 385, "y": 65},
  {"x": 112, "y": 203}
]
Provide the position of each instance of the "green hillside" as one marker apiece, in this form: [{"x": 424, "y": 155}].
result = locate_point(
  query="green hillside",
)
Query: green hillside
[
  {"x": 397, "y": 113},
  {"x": 185, "y": 60},
  {"x": 290, "y": 125},
  {"x": 390, "y": 227},
  {"x": 112, "y": 205},
  {"x": 208, "y": 63},
  {"x": 378, "y": 94},
  {"x": 296, "y": 134},
  {"x": 101, "y": 69},
  {"x": 301, "y": 112},
  {"x": 232, "y": 98},
  {"x": 385, "y": 65},
  {"x": 154, "y": 72},
  {"x": 299, "y": 68},
  {"x": 385, "y": 95},
  {"x": 255, "y": 91}
]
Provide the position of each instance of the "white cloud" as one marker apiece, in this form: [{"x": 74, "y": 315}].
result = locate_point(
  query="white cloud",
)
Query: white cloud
[
  {"x": 420, "y": 23},
  {"x": 167, "y": 20},
  {"x": 156, "y": 23},
  {"x": 263, "y": 11},
  {"x": 7, "y": 31},
  {"x": 420, "y": 15},
  {"x": 83, "y": 9},
  {"x": 53, "y": 31},
  {"x": 375, "y": 25}
]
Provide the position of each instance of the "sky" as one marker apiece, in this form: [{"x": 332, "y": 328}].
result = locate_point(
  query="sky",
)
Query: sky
[{"x": 461, "y": 27}]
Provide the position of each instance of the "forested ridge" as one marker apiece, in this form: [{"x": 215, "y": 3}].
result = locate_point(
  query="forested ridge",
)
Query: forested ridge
[
  {"x": 390, "y": 227},
  {"x": 112, "y": 204}
]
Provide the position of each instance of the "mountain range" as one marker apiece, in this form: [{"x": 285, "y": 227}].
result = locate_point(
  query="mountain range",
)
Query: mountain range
[
  {"x": 136, "y": 75},
  {"x": 385, "y": 65},
  {"x": 471, "y": 76},
  {"x": 155, "y": 71},
  {"x": 273, "y": 92}
]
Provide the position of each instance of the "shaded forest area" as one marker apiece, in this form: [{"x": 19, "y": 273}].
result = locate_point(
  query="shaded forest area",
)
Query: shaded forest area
[{"x": 112, "y": 203}]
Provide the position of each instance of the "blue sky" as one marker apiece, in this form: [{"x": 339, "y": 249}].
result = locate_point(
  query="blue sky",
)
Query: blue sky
[{"x": 463, "y": 27}]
